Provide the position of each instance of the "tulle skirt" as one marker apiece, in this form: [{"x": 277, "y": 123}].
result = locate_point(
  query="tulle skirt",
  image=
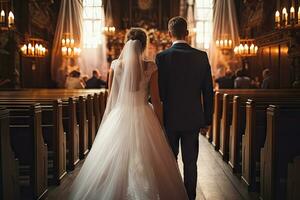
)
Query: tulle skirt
[{"x": 130, "y": 160}]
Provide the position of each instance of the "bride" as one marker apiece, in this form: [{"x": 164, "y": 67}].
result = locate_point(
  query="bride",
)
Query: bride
[{"x": 130, "y": 158}]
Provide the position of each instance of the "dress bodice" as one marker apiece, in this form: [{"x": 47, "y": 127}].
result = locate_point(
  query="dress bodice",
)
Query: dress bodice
[{"x": 140, "y": 95}]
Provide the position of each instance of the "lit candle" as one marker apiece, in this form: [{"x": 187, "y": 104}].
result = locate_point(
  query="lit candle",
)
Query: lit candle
[
  {"x": 299, "y": 15},
  {"x": 236, "y": 50},
  {"x": 29, "y": 48},
  {"x": 64, "y": 51},
  {"x": 63, "y": 42},
  {"x": 32, "y": 51},
  {"x": 25, "y": 49},
  {"x": 256, "y": 49},
  {"x": 292, "y": 14},
  {"x": 75, "y": 51},
  {"x": 221, "y": 43},
  {"x": 11, "y": 19},
  {"x": 217, "y": 43},
  {"x": 277, "y": 19},
  {"x": 284, "y": 16},
  {"x": 252, "y": 48},
  {"x": 67, "y": 41},
  {"x": 72, "y": 42},
  {"x": 246, "y": 49},
  {"x": 36, "y": 47},
  {"x": 241, "y": 49},
  {"x": 226, "y": 43},
  {"x": 69, "y": 52},
  {"x": 2, "y": 17},
  {"x": 230, "y": 43}
]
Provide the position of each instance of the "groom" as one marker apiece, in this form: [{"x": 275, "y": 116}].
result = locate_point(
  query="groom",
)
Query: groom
[{"x": 185, "y": 85}]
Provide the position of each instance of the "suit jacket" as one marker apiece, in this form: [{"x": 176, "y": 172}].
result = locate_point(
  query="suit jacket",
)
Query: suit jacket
[
  {"x": 185, "y": 85},
  {"x": 95, "y": 83}
]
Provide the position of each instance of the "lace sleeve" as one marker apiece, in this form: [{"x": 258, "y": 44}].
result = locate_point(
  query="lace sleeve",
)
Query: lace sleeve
[{"x": 113, "y": 65}]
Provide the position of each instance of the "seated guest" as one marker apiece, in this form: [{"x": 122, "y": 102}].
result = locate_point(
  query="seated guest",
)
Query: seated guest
[
  {"x": 242, "y": 81},
  {"x": 73, "y": 81},
  {"x": 268, "y": 82},
  {"x": 84, "y": 79},
  {"x": 95, "y": 81},
  {"x": 225, "y": 82},
  {"x": 255, "y": 83}
]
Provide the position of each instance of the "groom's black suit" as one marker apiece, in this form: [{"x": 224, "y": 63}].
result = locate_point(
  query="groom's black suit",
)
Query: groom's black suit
[{"x": 185, "y": 85}]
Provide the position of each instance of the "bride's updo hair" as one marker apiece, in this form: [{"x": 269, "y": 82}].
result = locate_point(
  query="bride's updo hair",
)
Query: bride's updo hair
[{"x": 137, "y": 34}]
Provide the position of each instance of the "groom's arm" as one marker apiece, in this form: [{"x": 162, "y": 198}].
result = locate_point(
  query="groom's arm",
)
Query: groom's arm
[{"x": 207, "y": 93}]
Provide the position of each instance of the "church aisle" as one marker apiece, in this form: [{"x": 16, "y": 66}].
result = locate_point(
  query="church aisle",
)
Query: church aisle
[{"x": 215, "y": 181}]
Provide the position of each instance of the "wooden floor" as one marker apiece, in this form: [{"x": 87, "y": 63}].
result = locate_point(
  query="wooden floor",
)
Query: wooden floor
[{"x": 215, "y": 181}]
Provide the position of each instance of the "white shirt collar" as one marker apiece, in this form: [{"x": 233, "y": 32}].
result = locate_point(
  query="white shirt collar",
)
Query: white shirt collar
[{"x": 179, "y": 41}]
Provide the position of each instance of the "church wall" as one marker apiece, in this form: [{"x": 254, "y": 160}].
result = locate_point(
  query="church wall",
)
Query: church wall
[
  {"x": 32, "y": 19},
  {"x": 256, "y": 20}
]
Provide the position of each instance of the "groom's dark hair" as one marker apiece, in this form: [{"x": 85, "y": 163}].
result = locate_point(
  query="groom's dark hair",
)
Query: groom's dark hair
[{"x": 178, "y": 27}]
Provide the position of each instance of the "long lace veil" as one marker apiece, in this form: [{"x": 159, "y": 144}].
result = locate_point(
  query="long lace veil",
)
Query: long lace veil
[{"x": 128, "y": 76}]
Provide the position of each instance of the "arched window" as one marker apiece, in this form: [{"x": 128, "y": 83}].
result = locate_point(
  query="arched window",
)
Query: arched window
[
  {"x": 204, "y": 20},
  {"x": 93, "y": 23}
]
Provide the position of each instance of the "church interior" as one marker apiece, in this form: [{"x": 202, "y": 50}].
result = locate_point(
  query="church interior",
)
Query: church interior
[{"x": 55, "y": 64}]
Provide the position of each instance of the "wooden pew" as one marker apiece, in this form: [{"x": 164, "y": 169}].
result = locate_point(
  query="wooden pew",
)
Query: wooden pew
[
  {"x": 223, "y": 108},
  {"x": 254, "y": 138},
  {"x": 30, "y": 149},
  {"x": 53, "y": 133},
  {"x": 70, "y": 123},
  {"x": 91, "y": 120},
  {"x": 86, "y": 139},
  {"x": 218, "y": 106},
  {"x": 238, "y": 121},
  {"x": 217, "y": 120},
  {"x": 293, "y": 182},
  {"x": 9, "y": 166},
  {"x": 94, "y": 94},
  {"x": 281, "y": 146}
]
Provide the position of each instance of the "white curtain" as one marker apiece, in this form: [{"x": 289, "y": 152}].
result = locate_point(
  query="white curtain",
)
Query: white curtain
[
  {"x": 224, "y": 24},
  {"x": 69, "y": 22},
  {"x": 82, "y": 20}
]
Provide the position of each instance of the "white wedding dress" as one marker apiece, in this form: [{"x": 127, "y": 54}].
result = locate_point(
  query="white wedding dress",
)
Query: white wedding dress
[{"x": 130, "y": 158}]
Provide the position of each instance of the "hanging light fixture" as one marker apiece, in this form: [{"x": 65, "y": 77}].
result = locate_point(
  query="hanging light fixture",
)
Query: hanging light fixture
[
  {"x": 246, "y": 48},
  {"x": 34, "y": 47},
  {"x": 70, "y": 47},
  {"x": 10, "y": 22},
  {"x": 224, "y": 44},
  {"x": 287, "y": 18},
  {"x": 109, "y": 28}
]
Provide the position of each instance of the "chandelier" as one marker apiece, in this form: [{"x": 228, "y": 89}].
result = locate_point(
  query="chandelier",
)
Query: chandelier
[
  {"x": 287, "y": 19},
  {"x": 34, "y": 47},
  {"x": 70, "y": 47},
  {"x": 224, "y": 43},
  {"x": 109, "y": 29},
  {"x": 10, "y": 22},
  {"x": 247, "y": 48}
]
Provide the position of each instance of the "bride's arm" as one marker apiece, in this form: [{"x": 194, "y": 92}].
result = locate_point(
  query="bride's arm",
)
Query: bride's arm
[
  {"x": 155, "y": 99},
  {"x": 110, "y": 79}
]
